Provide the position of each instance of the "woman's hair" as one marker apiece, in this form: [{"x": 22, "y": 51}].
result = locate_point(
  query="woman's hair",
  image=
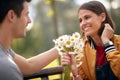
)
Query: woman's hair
[{"x": 98, "y": 8}]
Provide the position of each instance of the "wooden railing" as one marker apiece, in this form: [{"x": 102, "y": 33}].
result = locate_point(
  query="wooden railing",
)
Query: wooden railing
[{"x": 45, "y": 73}]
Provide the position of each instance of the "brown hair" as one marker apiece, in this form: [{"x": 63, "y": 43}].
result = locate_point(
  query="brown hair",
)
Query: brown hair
[
  {"x": 15, "y": 5},
  {"x": 98, "y": 8}
]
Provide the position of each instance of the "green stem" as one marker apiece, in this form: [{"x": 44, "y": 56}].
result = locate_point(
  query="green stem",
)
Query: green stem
[{"x": 67, "y": 70}]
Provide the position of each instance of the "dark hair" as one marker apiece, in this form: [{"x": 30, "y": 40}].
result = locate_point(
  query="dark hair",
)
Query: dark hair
[
  {"x": 98, "y": 8},
  {"x": 15, "y": 5}
]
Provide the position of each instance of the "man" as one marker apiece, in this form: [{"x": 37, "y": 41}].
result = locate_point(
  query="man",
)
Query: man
[{"x": 13, "y": 21}]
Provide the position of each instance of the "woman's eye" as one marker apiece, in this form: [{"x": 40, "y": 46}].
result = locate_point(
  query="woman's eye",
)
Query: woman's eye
[
  {"x": 87, "y": 17},
  {"x": 80, "y": 20}
]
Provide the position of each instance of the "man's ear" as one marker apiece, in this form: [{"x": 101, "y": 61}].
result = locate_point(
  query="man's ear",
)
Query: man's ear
[{"x": 11, "y": 16}]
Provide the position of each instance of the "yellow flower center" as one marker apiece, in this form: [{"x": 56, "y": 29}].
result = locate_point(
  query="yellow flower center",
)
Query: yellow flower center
[
  {"x": 72, "y": 39},
  {"x": 68, "y": 42},
  {"x": 61, "y": 39},
  {"x": 76, "y": 36}
]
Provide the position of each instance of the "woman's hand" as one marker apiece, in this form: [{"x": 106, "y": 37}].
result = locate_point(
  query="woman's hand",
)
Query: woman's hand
[{"x": 107, "y": 34}]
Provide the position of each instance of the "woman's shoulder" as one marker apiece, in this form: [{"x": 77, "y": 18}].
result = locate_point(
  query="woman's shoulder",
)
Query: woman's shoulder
[
  {"x": 116, "y": 37},
  {"x": 116, "y": 41}
]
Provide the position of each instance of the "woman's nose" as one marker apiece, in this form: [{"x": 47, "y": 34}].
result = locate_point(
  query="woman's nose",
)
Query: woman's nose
[{"x": 82, "y": 23}]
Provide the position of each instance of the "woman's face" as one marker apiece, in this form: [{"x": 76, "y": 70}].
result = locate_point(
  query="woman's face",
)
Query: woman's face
[{"x": 90, "y": 22}]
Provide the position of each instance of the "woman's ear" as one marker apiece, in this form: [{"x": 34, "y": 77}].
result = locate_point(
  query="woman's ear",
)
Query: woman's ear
[
  {"x": 103, "y": 16},
  {"x": 11, "y": 16}
]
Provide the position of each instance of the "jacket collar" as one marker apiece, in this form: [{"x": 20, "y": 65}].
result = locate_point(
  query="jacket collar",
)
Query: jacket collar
[
  {"x": 92, "y": 44},
  {"x": 90, "y": 40}
]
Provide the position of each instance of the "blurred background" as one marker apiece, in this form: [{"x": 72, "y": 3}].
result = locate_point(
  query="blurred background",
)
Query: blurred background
[{"x": 52, "y": 18}]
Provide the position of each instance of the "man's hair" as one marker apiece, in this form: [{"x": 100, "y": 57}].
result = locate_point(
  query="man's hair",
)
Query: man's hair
[{"x": 15, "y": 5}]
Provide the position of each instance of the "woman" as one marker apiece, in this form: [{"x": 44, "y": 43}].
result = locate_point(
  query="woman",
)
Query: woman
[{"x": 101, "y": 47}]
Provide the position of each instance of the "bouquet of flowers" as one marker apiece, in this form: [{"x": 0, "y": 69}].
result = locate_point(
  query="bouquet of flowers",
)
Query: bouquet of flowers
[{"x": 72, "y": 44}]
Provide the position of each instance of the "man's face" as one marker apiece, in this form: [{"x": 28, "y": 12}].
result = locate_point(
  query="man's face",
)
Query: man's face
[{"x": 22, "y": 22}]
